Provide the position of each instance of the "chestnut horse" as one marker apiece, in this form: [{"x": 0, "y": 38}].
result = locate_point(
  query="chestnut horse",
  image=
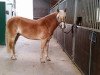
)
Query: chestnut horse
[{"x": 40, "y": 29}]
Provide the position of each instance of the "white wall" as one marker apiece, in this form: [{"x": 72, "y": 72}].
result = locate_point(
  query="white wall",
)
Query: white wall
[
  {"x": 24, "y": 8},
  {"x": 11, "y": 1}
]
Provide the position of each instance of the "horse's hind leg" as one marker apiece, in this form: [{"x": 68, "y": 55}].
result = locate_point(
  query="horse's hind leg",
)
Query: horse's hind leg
[
  {"x": 44, "y": 51},
  {"x": 11, "y": 41},
  {"x": 12, "y": 47}
]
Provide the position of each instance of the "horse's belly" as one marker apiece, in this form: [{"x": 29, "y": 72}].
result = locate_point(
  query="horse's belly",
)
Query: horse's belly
[{"x": 35, "y": 36}]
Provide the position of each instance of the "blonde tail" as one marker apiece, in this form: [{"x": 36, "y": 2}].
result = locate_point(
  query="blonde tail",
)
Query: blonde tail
[{"x": 7, "y": 38}]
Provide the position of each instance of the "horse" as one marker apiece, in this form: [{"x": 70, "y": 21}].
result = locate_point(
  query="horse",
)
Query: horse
[{"x": 41, "y": 29}]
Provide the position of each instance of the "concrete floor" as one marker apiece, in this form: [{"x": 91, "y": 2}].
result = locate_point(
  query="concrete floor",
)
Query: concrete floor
[{"x": 28, "y": 60}]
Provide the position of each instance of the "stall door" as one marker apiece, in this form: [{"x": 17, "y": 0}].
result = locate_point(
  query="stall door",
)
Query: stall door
[{"x": 2, "y": 23}]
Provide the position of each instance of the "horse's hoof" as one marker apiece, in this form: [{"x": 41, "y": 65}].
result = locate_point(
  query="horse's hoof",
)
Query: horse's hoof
[
  {"x": 13, "y": 58},
  {"x": 42, "y": 60},
  {"x": 48, "y": 59}
]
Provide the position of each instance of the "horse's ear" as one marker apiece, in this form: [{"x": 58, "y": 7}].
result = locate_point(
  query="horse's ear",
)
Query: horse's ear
[
  {"x": 57, "y": 10},
  {"x": 65, "y": 10}
]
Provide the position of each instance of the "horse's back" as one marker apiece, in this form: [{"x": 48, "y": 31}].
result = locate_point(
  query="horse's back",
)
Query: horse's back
[{"x": 20, "y": 19}]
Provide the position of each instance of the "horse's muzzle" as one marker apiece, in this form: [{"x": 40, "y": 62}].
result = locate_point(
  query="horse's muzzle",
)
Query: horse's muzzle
[{"x": 62, "y": 25}]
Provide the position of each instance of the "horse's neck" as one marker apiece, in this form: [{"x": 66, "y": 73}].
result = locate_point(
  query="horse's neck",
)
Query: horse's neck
[
  {"x": 55, "y": 23},
  {"x": 52, "y": 22}
]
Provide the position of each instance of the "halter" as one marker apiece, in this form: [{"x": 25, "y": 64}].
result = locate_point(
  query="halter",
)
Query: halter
[{"x": 62, "y": 23}]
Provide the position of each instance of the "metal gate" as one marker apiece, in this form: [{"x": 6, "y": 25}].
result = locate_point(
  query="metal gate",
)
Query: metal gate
[{"x": 83, "y": 45}]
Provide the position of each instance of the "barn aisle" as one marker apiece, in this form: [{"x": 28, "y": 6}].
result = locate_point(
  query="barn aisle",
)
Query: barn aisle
[{"x": 28, "y": 60}]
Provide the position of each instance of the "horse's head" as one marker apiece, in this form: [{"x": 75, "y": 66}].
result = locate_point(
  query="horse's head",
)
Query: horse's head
[{"x": 61, "y": 17}]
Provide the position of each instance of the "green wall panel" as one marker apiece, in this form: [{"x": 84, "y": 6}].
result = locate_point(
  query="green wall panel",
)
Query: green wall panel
[{"x": 2, "y": 23}]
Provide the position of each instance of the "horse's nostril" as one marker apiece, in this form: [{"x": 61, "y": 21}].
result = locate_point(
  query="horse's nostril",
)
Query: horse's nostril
[{"x": 62, "y": 24}]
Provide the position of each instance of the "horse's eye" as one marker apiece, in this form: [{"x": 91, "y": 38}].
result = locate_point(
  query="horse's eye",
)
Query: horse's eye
[{"x": 58, "y": 17}]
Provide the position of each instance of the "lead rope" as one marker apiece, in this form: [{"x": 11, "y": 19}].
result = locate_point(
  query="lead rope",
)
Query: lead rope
[{"x": 71, "y": 30}]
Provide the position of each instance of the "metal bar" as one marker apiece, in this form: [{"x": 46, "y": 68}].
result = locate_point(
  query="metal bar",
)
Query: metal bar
[
  {"x": 63, "y": 31},
  {"x": 92, "y": 29},
  {"x": 85, "y": 11},
  {"x": 88, "y": 12},
  {"x": 74, "y": 34},
  {"x": 95, "y": 10},
  {"x": 99, "y": 13},
  {"x": 75, "y": 13},
  {"x": 92, "y": 39},
  {"x": 56, "y": 4},
  {"x": 92, "y": 11},
  {"x": 90, "y": 54}
]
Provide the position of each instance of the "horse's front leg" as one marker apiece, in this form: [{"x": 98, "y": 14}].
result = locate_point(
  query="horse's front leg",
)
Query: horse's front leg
[{"x": 44, "y": 51}]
